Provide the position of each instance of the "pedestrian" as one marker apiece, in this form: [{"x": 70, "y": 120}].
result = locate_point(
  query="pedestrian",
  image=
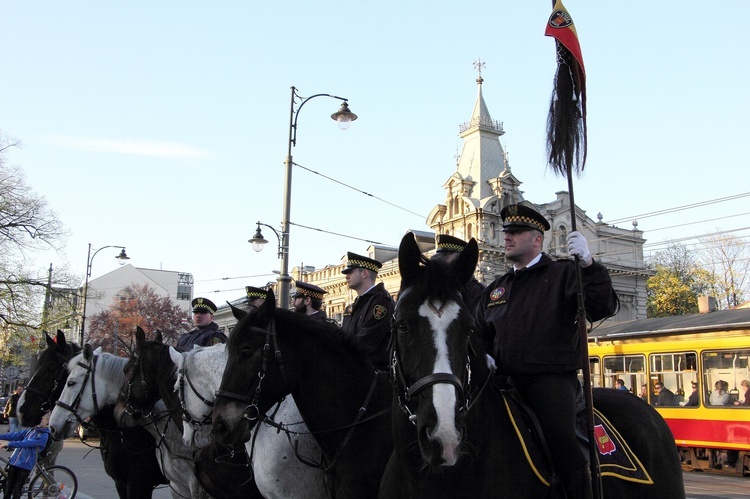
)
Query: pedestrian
[
  {"x": 207, "y": 332},
  {"x": 308, "y": 300},
  {"x": 26, "y": 446},
  {"x": 528, "y": 319},
  {"x": 447, "y": 249},
  {"x": 11, "y": 406},
  {"x": 255, "y": 297},
  {"x": 369, "y": 321}
]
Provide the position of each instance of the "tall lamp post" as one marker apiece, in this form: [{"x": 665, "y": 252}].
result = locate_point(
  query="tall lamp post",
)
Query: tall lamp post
[
  {"x": 344, "y": 117},
  {"x": 122, "y": 257}
]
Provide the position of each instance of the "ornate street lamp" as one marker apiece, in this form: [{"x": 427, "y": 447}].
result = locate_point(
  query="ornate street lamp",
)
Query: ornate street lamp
[
  {"x": 343, "y": 117},
  {"x": 122, "y": 257}
]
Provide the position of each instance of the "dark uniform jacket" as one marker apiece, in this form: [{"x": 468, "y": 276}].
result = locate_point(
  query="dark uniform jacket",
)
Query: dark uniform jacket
[
  {"x": 201, "y": 336},
  {"x": 369, "y": 324},
  {"x": 319, "y": 316},
  {"x": 472, "y": 293},
  {"x": 528, "y": 318}
]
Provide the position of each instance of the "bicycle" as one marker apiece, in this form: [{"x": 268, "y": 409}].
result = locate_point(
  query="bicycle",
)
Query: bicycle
[{"x": 46, "y": 482}]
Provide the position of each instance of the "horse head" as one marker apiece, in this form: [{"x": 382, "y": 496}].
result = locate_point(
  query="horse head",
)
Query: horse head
[
  {"x": 199, "y": 374},
  {"x": 94, "y": 381},
  {"x": 251, "y": 370},
  {"x": 48, "y": 380},
  {"x": 430, "y": 348},
  {"x": 149, "y": 374}
]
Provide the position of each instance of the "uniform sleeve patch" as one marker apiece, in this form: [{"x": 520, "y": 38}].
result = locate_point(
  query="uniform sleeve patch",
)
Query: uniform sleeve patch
[{"x": 379, "y": 311}]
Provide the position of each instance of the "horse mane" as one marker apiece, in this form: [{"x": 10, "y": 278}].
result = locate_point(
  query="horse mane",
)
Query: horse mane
[
  {"x": 110, "y": 366},
  {"x": 435, "y": 279},
  {"x": 164, "y": 367},
  {"x": 70, "y": 351},
  {"x": 293, "y": 323}
]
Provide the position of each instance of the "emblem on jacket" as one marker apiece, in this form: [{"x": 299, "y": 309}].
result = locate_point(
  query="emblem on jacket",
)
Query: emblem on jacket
[
  {"x": 497, "y": 293},
  {"x": 379, "y": 312}
]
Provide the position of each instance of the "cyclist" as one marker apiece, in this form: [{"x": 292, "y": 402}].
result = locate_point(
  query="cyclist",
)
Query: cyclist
[{"x": 26, "y": 445}]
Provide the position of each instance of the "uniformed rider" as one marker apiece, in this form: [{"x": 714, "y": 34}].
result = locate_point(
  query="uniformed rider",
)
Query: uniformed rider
[{"x": 206, "y": 332}]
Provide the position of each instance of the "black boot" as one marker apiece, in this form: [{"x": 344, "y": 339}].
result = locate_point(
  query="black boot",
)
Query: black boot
[{"x": 578, "y": 484}]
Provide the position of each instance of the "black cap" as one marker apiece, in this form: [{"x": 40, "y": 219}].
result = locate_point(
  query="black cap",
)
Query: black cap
[
  {"x": 203, "y": 305},
  {"x": 355, "y": 261},
  {"x": 521, "y": 217},
  {"x": 311, "y": 290},
  {"x": 444, "y": 242},
  {"x": 254, "y": 293}
]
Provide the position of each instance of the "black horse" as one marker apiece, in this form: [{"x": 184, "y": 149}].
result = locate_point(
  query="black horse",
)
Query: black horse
[
  {"x": 343, "y": 400},
  {"x": 128, "y": 454},
  {"x": 150, "y": 375},
  {"x": 454, "y": 436}
]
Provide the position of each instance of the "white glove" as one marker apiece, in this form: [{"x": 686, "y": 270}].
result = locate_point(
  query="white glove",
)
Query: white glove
[
  {"x": 578, "y": 246},
  {"x": 491, "y": 363}
]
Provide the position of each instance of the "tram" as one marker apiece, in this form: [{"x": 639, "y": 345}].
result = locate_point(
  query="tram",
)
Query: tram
[{"x": 679, "y": 352}]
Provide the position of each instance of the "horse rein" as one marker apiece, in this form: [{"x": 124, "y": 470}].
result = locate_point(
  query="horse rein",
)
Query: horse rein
[{"x": 73, "y": 408}]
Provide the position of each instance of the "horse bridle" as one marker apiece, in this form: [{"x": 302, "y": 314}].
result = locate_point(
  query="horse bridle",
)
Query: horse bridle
[
  {"x": 130, "y": 409},
  {"x": 90, "y": 371},
  {"x": 405, "y": 392},
  {"x": 251, "y": 411},
  {"x": 48, "y": 404},
  {"x": 186, "y": 417}
]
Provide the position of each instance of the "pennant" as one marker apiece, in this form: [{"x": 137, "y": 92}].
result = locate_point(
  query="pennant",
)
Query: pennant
[{"x": 566, "y": 123}]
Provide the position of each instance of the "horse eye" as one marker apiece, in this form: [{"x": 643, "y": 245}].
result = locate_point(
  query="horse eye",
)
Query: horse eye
[
  {"x": 401, "y": 327},
  {"x": 71, "y": 383}
]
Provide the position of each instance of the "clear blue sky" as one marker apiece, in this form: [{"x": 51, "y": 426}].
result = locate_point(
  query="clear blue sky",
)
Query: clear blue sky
[{"x": 162, "y": 126}]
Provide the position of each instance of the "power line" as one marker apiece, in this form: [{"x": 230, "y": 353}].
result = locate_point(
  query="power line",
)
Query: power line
[{"x": 678, "y": 208}]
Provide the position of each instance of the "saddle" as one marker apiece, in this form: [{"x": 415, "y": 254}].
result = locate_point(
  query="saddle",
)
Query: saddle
[{"x": 616, "y": 458}]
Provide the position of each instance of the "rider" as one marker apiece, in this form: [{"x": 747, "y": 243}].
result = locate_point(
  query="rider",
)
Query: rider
[
  {"x": 207, "y": 332},
  {"x": 369, "y": 321},
  {"x": 26, "y": 445},
  {"x": 255, "y": 297},
  {"x": 308, "y": 299},
  {"x": 528, "y": 320}
]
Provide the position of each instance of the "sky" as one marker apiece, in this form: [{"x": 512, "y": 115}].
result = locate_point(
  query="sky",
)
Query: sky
[{"x": 163, "y": 126}]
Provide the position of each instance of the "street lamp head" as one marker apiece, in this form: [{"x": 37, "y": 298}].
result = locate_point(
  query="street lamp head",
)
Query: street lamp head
[
  {"x": 344, "y": 116},
  {"x": 258, "y": 241},
  {"x": 123, "y": 257}
]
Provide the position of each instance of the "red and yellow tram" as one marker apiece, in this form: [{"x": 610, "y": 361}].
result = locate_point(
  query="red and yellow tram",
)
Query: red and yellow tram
[{"x": 679, "y": 352}]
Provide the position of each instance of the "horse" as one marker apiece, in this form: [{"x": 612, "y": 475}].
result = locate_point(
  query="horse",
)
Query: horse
[
  {"x": 453, "y": 436},
  {"x": 94, "y": 382},
  {"x": 128, "y": 455},
  {"x": 342, "y": 398},
  {"x": 278, "y": 473},
  {"x": 150, "y": 376}
]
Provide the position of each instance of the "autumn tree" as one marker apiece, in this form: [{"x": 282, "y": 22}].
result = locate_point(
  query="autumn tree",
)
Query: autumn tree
[
  {"x": 678, "y": 282},
  {"x": 137, "y": 305}
]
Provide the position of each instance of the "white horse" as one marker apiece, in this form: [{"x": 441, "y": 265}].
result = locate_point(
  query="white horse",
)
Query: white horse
[
  {"x": 277, "y": 470},
  {"x": 95, "y": 381}
]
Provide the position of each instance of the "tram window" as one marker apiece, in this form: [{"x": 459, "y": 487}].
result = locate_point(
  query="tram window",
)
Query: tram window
[
  {"x": 594, "y": 371},
  {"x": 629, "y": 368},
  {"x": 676, "y": 371},
  {"x": 732, "y": 368}
]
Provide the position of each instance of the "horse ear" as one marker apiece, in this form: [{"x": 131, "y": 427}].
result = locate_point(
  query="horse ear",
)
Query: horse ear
[
  {"x": 60, "y": 340},
  {"x": 50, "y": 341},
  {"x": 238, "y": 313},
  {"x": 158, "y": 337},
  {"x": 269, "y": 305},
  {"x": 466, "y": 263},
  {"x": 140, "y": 338},
  {"x": 88, "y": 352},
  {"x": 408, "y": 257}
]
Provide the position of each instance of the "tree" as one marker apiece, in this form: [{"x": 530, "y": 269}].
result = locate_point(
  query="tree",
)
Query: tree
[
  {"x": 137, "y": 305},
  {"x": 27, "y": 225},
  {"x": 678, "y": 282},
  {"x": 727, "y": 259}
]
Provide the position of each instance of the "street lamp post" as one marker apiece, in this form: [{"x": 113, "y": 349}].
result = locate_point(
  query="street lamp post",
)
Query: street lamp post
[
  {"x": 122, "y": 257},
  {"x": 344, "y": 117}
]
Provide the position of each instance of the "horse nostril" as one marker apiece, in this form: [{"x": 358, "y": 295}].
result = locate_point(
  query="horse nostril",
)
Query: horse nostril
[{"x": 219, "y": 427}]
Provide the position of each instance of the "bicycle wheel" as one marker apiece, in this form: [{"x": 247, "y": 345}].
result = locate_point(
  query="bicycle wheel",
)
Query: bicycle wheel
[{"x": 58, "y": 482}]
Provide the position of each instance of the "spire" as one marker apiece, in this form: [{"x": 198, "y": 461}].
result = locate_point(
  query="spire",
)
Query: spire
[{"x": 482, "y": 157}]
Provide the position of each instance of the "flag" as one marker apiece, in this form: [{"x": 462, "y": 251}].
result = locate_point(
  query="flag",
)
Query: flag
[{"x": 566, "y": 123}]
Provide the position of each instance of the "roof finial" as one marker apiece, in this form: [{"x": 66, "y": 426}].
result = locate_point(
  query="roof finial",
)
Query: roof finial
[{"x": 479, "y": 65}]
